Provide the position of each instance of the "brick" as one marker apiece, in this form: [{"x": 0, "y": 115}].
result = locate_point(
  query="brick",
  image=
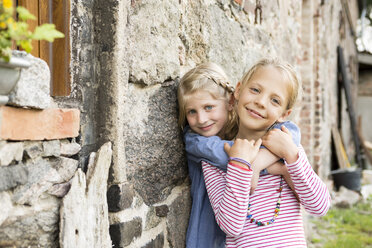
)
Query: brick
[{"x": 30, "y": 124}]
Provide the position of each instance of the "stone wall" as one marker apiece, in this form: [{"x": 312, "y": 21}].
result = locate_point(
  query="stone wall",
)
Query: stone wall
[
  {"x": 45, "y": 199},
  {"x": 34, "y": 175}
]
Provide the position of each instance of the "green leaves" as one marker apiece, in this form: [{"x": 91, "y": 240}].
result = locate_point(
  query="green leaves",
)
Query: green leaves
[
  {"x": 24, "y": 14},
  {"x": 47, "y": 32},
  {"x": 26, "y": 45},
  {"x": 18, "y": 32}
]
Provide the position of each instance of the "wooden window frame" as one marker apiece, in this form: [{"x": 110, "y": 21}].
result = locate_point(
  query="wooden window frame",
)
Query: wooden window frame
[{"x": 56, "y": 54}]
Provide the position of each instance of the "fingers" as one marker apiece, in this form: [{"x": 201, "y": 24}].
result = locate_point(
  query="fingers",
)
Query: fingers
[
  {"x": 284, "y": 129},
  {"x": 250, "y": 142},
  {"x": 226, "y": 147},
  {"x": 257, "y": 144},
  {"x": 244, "y": 149}
]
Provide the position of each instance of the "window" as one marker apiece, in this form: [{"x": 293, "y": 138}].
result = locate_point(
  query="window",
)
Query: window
[{"x": 56, "y": 54}]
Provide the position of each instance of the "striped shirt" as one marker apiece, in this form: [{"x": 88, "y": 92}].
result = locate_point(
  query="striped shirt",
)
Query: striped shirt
[{"x": 229, "y": 196}]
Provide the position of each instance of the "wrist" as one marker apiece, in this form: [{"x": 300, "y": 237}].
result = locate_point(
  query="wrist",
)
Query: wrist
[
  {"x": 241, "y": 162},
  {"x": 291, "y": 156},
  {"x": 240, "y": 165}
]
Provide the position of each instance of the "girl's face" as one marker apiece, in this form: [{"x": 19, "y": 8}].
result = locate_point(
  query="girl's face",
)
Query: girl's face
[
  {"x": 263, "y": 100},
  {"x": 205, "y": 114}
]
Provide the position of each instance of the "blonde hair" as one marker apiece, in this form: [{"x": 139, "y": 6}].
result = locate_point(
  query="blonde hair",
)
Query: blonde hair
[
  {"x": 211, "y": 78},
  {"x": 295, "y": 90}
]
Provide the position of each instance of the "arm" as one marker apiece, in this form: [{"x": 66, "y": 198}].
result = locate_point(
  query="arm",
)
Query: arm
[
  {"x": 211, "y": 149},
  {"x": 229, "y": 192},
  {"x": 293, "y": 129},
  {"x": 264, "y": 160},
  {"x": 265, "y": 157},
  {"x": 313, "y": 193},
  {"x": 229, "y": 196},
  {"x": 267, "y": 160},
  {"x": 200, "y": 148}
]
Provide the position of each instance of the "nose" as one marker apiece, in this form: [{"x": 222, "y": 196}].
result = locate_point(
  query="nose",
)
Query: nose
[
  {"x": 202, "y": 117},
  {"x": 260, "y": 101}
]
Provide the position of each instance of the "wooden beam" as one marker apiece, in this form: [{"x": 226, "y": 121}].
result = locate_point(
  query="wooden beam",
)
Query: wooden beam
[
  {"x": 349, "y": 101},
  {"x": 342, "y": 158},
  {"x": 33, "y": 7},
  {"x": 44, "y": 17},
  {"x": 61, "y": 49}
]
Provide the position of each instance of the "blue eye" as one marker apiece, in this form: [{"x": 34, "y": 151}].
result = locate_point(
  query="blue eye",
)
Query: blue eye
[
  {"x": 255, "y": 90},
  {"x": 208, "y": 107},
  {"x": 276, "y": 101},
  {"x": 191, "y": 111}
]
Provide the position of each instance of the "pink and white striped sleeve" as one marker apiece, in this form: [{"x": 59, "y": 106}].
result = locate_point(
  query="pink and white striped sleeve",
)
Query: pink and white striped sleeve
[
  {"x": 229, "y": 196},
  {"x": 313, "y": 193}
]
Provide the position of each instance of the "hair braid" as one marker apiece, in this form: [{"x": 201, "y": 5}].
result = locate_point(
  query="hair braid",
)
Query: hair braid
[{"x": 224, "y": 84}]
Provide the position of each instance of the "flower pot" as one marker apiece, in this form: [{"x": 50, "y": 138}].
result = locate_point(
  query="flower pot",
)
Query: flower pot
[
  {"x": 10, "y": 73},
  {"x": 349, "y": 178}
]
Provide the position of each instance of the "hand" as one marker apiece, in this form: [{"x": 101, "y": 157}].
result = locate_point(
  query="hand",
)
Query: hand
[
  {"x": 244, "y": 149},
  {"x": 281, "y": 144}
]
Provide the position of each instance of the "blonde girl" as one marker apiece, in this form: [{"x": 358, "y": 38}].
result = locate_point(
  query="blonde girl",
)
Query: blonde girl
[
  {"x": 206, "y": 115},
  {"x": 271, "y": 217}
]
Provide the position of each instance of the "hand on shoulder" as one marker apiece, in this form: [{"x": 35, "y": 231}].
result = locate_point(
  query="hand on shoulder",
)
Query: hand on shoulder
[{"x": 279, "y": 142}]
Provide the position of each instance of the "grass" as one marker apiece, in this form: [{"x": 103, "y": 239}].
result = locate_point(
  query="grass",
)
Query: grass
[{"x": 345, "y": 228}]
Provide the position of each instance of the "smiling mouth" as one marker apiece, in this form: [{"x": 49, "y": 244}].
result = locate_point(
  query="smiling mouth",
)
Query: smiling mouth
[
  {"x": 254, "y": 113},
  {"x": 206, "y": 128}
]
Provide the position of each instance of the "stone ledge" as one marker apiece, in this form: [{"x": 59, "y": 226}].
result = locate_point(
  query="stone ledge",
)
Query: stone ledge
[{"x": 30, "y": 124}]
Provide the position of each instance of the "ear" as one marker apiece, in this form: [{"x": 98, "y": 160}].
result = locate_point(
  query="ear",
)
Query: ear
[
  {"x": 285, "y": 115},
  {"x": 237, "y": 90}
]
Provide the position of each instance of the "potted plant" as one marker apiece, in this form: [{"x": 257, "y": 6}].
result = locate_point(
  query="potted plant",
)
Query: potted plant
[{"x": 17, "y": 32}]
